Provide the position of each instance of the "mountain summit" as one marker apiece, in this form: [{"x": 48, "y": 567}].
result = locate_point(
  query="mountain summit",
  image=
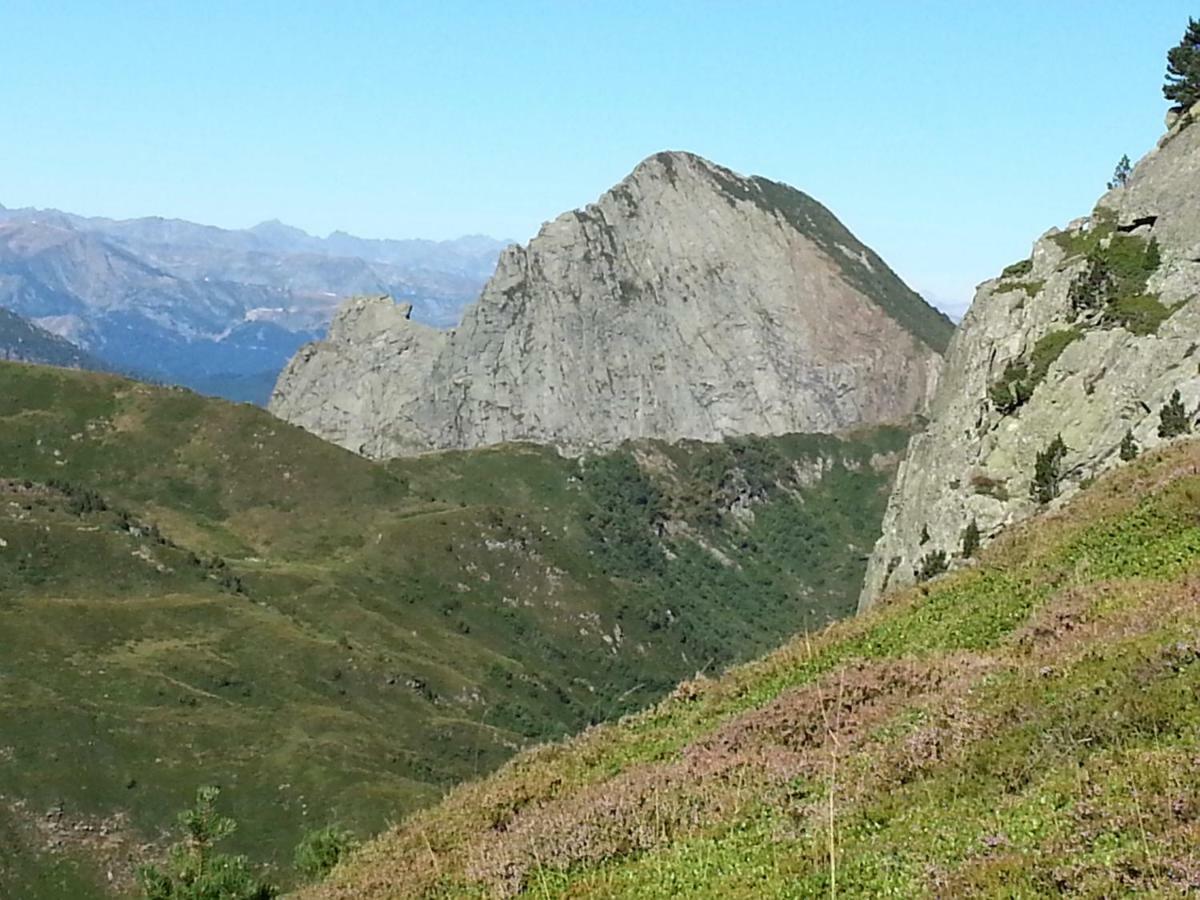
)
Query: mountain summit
[{"x": 687, "y": 302}]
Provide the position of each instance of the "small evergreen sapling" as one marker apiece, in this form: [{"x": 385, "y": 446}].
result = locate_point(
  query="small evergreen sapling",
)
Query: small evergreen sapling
[
  {"x": 1047, "y": 471},
  {"x": 970, "y": 539},
  {"x": 1121, "y": 173},
  {"x": 1094, "y": 288},
  {"x": 1129, "y": 447},
  {"x": 194, "y": 870},
  {"x": 1183, "y": 69},
  {"x": 1173, "y": 418}
]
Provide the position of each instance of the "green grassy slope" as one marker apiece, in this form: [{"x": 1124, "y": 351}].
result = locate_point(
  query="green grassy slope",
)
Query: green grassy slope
[
  {"x": 194, "y": 592},
  {"x": 1026, "y": 727}
]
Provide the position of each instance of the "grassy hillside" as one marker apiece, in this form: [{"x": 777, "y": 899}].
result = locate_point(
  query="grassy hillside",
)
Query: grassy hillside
[
  {"x": 1026, "y": 727},
  {"x": 193, "y": 592}
]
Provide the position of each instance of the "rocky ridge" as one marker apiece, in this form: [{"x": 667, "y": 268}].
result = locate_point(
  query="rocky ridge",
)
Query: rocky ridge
[
  {"x": 1089, "y": 339},
  {"x": 372, "y": 335},
  {"x": 688, "y": 302},
  {"x": 22, "y": 341}
]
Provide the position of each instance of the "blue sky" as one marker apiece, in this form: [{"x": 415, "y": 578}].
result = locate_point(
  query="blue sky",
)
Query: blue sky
[{"x": 947, "y": 135}]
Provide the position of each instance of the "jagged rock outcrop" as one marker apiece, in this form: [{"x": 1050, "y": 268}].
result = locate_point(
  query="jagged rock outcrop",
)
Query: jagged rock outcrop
[
  {"x": 1088, "y": 339},
  {"x": 368, "y": 336},
  {"x": 687, "y": 302}
]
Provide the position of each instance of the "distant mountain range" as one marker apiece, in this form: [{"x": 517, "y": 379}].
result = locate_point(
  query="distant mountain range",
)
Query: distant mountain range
[{"x": 215, "y": 309}]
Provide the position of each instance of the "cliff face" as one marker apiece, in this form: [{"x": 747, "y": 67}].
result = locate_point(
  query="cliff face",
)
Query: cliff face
[
  {"x": 687, "y": 302},
  {"x": 1088, "y": 339},
  {"x": 360, "y": 388}
]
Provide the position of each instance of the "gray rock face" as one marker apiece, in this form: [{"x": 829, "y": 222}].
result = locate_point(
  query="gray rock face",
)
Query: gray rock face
[
  {"x": 368, "y": 336},
  {"x": 1117, "y": 370},
  {"x": 687, "y": 302}
]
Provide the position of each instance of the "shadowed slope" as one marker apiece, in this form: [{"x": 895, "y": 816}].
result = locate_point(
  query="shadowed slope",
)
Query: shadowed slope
[{"x": 23, "y": 341}]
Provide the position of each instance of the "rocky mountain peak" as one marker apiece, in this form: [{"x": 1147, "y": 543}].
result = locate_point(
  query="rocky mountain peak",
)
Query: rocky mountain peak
[
  {"x": 674, "y": 166},
  {"x": 685, "y": 302},
  {"x": 362, "y": 318},
  {"x": 275, "y": 231}
]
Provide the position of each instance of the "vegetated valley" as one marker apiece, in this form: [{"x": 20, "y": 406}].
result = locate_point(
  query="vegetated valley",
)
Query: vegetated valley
[
  {"x": 193, "y": 592},
  {"x": 1026, "y": 727},
  {"x": 526, "y": 672}
]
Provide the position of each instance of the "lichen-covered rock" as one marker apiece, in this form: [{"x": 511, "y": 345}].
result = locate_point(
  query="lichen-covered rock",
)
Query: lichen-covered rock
[
  {"x": 1087, "y": 340},
  {"x": 687, "y": 302}
]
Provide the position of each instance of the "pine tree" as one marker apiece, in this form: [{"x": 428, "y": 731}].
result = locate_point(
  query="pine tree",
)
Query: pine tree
[
  {"x": 1047, "y": 471},
  {"x": 1173, "y": 418},
  {"x": 1121, "y": 173},
  {"x": 195, "y": 870},
  {"x": 1183, "y": 69},
  {"x": 1129, "y": 447},
  {"x": 970, "y": 539},
  {"x": 1095, "y": 287}
]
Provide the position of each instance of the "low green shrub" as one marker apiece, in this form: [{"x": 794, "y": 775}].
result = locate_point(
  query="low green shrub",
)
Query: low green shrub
[
  {"x": 933, "y": 564},
  {"x": 1140, "y": 314},
  {"x": 1022, "y": 377},
  {"x": 1031, "y": 288},
  {"x": 320, "y": 850},
  {"x": 1018, "y": 269}
]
